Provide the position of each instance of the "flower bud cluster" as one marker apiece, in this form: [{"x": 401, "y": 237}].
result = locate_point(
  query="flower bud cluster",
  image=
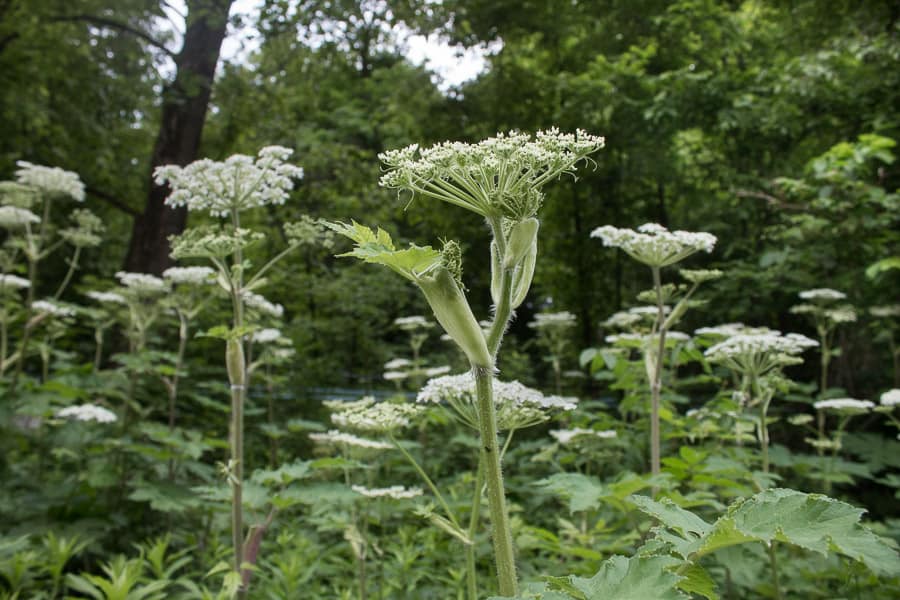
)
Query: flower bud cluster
[
  {"x": 85, "y": 231},
  {"x": 13, "y": 282},
  {"x": 258, "y": 303},
  {"x": 759, "y": 353},
  {"x": 565, "y": 436},
  {"x": 563, "y": 319},
  {"x": 13, "y": 217},
  {"x": 653, "y": 244},
  {"x": 51, "y": 308},
  {"x": 106, "y": 297},
  {"x": 517, "y": 405},
  {"x": 845, "y": 405},
  {"x": 499, "y": 176},
  {"x": 382, "y": 417},
  {"x": 50, "y": 180},
  {"x": 190, "y": 275},
  {"x": 88, "y": 412},
  {"x": 238, "y": 183},
  {"x": 891, "y": 398},
  {"x": 142, "y": 283},
  {"x": 339, "y": 438},
  {"x": 397, "y": 492}
]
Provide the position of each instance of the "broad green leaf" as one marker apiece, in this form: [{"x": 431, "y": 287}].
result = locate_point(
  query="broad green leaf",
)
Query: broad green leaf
[
  {"x": 635, "y": 578},
  {"x": 582, "y": 491},
  {"x": 697, "y": 581},
  {"x": 672, "y": 516},
  {"x": 378, "y": 248}
]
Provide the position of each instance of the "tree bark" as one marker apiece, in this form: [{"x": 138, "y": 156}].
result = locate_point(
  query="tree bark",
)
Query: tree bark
[{"x": 184, "y": 106}]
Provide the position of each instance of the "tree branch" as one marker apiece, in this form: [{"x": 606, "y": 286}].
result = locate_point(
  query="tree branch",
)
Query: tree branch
[
  {"x": 112, "y": 200},
  {"x": 770, "y": 199},
  {"x": 113, "y": 24}
]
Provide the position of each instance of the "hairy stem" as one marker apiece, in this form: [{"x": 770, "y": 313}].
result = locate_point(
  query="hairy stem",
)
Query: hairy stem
[
  {"x": 474, "y": 518},
  {"x": 656, "y": 382},
  {"x": 500, "y": 528}
]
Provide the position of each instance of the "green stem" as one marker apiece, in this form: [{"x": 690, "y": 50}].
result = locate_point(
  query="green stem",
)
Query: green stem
[
  {"x": 237, "y": 374},
  {"x": 431, "y": 486},
  {"x": 500, "y": 528},
  {"x": 773, "y": 561},
  {"x": 474, "y": 518},
  {"x": 73, "y": 264},
  {"x": 656, "y": 382}
]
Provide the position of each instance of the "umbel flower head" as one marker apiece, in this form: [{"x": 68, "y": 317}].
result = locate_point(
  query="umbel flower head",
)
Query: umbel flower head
[
  {"x": 142, "y": 284},
  {"x": 518, "y": 406},
  {"x": 50, "y": 180},
  {"x": 13, "y": 282},
  {"x": 847, "y": 406},
  {"x": 13, "y": 217},
  {"x": 759, "y": 353},
  {"x": 238, "y": 183},
  {"x": 501, "y": 176},
  {"x": 562, "y": 320},
  {"x": 87, "y": 412},
  {"x": 190, "y": 275},
  {"x": 653, "y": 244}
]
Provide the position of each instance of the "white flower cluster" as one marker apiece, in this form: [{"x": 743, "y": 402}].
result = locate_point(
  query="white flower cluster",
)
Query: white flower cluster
[
  {"x": 891, "y": 398},
  {"x": 622, "y": 320},
  {"x": 413, "y": 322},
  {"x": 106, "y": 297},
  {"x": 50, "y": 180},
  {"x": 339, "y": 438},
  {"x": 639, "y": 340},
  {"x": 844, "y": 405},
  {"x": 700, "y": 275},
  {"x": 517, "y": 405},
  {"x": 381, "y": 417},
  {"x": 13, "y": 282},
  {"x": 883, "y": 312},
  {"x": 51, "y": 308},
  {"x": 260, "y": 304},
  {"x": 752, "y": 344},
  {"x": 15, "y": 217},
  {"x": 653, "y": 244},
  {"x": 88, "y": 412},
  {"x": 239, "y": 183},
  {"x": 822, "y": 294},
  {"x": 142, "y": 283},
  {"x": 266, "y": 336},
  {"x": 397, "y": 492},
  {"x": 728, "y": 330},
  {"x": 565, "y": 436},
  {"x": 397, "y": 363},
  {"x": 190, "y": 275},
  {"x": 563, "y": 319},
  {"x": 501, "y": 175}
]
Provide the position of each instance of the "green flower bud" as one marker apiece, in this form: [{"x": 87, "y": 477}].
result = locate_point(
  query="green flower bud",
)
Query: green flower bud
[
  {"x": 523, "y": 276},
  {"x": 234, "y": 360},
  {"x": 496, "y": 273},
  {"x": 452, "y": 311},
  {"x": 521, "y": 237}
]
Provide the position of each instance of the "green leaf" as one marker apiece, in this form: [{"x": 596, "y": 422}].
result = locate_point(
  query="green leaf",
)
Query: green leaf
[
  {"x": 582, "y": 491},
  {"x": 885, "y": 264},
  {"x": 378, "y": 248},
  {"x": 635, "y": 578},
  {"x": 672, "y": 516},
  {"x": 811, "y": 521},
  {"x": 697, "y": 581}
]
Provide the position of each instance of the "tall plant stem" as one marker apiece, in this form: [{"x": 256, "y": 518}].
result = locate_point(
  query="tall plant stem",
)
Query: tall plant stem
[
  {"x": 763, "y": 422},
  {"x": 474, "y": 518},
  {"x": 500, "y": 528},
  {"x": 656, "y": 381},
  {"x": 237, "y": 375},
  {"x": 26, "y": 332},
  {"x": 73, "y": 265},
  {"x": 773, "y": 562}
]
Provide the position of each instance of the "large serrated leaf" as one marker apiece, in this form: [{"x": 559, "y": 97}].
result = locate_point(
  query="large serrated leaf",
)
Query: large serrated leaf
[
  {"x": 377, "y": 247},
  {"x": 811, "y": 521},
  {"x": 635, "y": 578},
  {"x": 672, "y": 516}
]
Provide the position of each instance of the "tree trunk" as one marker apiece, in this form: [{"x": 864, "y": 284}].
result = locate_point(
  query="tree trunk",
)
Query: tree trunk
[{"x": 184, "y": 107}]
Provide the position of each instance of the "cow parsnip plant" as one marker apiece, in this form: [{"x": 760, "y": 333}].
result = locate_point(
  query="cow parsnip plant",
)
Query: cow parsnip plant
[
  {"x": 502, "y": 180},
  {"x": 227, "y": 190}
]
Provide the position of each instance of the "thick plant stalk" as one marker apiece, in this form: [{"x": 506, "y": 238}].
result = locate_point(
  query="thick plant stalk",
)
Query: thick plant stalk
[
  {"x": 474, "y": 518},
  {"x": 656, "y": 382},
  {"x": 493, "y": 475}
]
